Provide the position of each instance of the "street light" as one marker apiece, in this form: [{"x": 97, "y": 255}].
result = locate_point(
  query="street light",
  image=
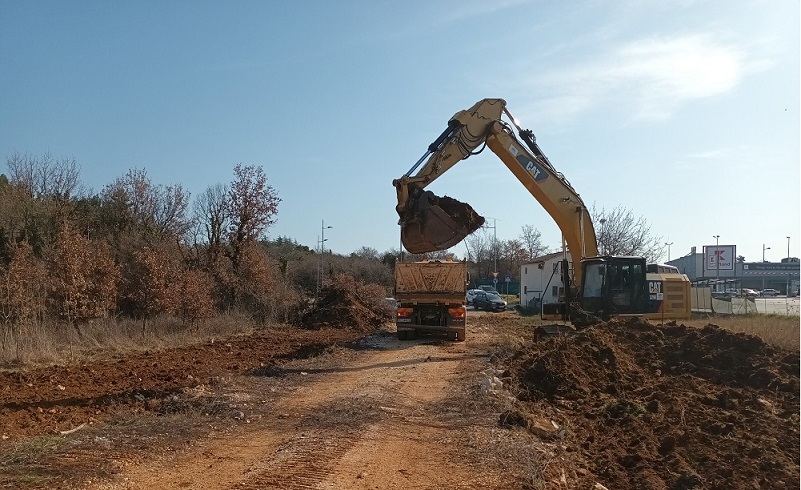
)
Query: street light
[
  {"x": 668, "y": 246},
  {"x": 717, "y": 260},
  {"x": 763, "y": 251},
  {"x": 322, "y": 252},
  {"x": 787, "y": 286},
  {"x": 603, "y": 222}
]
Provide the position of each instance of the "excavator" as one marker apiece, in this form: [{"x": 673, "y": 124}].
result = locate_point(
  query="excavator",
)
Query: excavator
[{"x": 597, "y": 287}]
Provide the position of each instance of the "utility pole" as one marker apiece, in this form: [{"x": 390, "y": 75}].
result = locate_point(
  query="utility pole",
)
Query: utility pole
[
  {"x": 668, "y": 246},
  {"x": 787, "y": 286},
  {"x": 603, "y": 222},
  {"x": 494, "y": 250},
  {"x": 322, "y": 253}
]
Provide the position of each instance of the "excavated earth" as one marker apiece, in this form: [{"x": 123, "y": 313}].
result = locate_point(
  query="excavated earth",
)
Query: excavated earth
[
  {"x": 623, "y": 405},
  {"x": 663, "y": 407}
]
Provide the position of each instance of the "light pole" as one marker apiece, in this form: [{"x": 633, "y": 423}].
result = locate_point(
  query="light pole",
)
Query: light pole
[
  {"x": 763, "y": 261},
  {"x": 494, "y": 249},
  {"x": 717, "y": 260},
  {"x": 603, "y": 222},
  {"x": 668, "y": 246},
  {"x": 322, "y": 252},
  {"x": 787, "y": 286}
]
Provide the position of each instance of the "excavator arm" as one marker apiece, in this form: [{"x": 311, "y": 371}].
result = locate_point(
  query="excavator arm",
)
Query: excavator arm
[{"x": 430, "y": 223}]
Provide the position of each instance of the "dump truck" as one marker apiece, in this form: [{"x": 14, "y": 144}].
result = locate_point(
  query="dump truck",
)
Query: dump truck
[{"x": 431, "y": 298}]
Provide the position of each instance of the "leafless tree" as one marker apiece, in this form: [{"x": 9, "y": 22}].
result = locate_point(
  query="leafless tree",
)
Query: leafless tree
[
  {"x": 45, "y": 176},
  {"x": 479, "y": 250},
  {"x": 211, "y": 215},
  {"x": 623, "y": 233},
  {"x": 531, "y": 239},
  {"x": 157, "y": 212}
]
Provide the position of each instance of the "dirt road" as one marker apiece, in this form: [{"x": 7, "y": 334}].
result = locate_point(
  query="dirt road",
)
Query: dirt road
[
  {"x": 379, "y": 418},
  {"x": 377, "y": 414},
  {"x": 627, "y": 405}
]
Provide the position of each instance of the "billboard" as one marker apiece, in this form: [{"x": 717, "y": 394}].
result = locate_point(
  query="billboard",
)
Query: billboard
[{"x": 719, "y": 258}]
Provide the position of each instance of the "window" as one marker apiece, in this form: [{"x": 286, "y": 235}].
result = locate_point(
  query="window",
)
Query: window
[{"x": 594, "y": 280}]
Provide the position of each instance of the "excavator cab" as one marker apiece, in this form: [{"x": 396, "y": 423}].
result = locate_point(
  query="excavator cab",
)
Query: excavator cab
[{"x": 613, "y": 286}]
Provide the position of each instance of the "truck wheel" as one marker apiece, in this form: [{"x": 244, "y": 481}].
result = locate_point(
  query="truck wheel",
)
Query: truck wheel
[{"x": 402, "y": 334}]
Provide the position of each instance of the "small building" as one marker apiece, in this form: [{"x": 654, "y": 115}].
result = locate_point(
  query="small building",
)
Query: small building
[{"x": 541, "y": 281}]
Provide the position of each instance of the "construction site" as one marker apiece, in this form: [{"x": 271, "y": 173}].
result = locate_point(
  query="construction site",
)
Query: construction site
[{"x": 341, "y": 403}]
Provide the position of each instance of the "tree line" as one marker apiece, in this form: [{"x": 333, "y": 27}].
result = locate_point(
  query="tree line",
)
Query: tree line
[{"x": 138, "y": 249}]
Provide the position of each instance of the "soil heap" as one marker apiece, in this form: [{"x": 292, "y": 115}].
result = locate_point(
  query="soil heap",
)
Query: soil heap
[
  {"x": 346, "y": 302},
  {"x": 663, "y": 407}
]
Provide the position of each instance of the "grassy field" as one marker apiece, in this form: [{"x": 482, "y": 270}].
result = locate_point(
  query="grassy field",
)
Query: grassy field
[{"x": 778, "y": 330}]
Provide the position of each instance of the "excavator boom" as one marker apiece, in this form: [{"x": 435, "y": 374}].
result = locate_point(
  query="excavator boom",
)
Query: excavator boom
[{"x": 429, "y": 223}]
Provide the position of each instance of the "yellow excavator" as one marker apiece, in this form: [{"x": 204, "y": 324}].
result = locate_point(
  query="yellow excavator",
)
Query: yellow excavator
[{"x": 596, "y": 287}]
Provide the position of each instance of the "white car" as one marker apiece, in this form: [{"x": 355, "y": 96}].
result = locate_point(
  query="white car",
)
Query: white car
[
  {"x": 471, "y": 293},
  {"x": 768, "y": 292}
]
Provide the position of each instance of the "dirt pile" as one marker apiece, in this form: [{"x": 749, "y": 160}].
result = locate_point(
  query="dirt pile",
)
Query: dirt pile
[
  {"x": 346, "y": 302},
  {"x": 665, "y": 407}
]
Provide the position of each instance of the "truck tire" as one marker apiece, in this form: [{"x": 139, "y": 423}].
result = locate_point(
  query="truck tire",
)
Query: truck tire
[{"x": 402, "y": 334}]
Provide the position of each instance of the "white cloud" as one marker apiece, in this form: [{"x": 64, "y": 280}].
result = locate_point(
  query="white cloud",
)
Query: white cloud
[{"x": 650, "y": 77}]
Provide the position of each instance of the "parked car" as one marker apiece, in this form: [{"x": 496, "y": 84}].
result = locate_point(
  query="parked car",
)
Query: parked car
[
  {"x": 471, "y": 293},
  {"x": 749, "y": 293},
  {"x": 768, "y": 292},
  {"x": 488, "y": 301}
]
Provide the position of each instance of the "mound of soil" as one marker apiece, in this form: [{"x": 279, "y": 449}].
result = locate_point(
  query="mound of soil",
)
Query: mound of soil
[
  {"x": 665, "y": 407},
  {"x": 347, "y": 303}
]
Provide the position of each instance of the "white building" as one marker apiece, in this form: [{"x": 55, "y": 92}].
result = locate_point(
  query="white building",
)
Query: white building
[{"x": 541, "y": 279}]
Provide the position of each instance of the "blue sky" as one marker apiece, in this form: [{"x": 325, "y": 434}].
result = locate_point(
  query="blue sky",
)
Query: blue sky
[{"x": 684, "y": 112}]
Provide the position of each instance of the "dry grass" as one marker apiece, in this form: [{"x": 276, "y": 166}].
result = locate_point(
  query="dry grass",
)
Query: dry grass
[
  {"x": 57, "y": 343},
  {"x": 781, "y": 331}
]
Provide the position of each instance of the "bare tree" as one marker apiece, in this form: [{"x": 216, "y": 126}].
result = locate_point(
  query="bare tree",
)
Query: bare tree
[
  {"x": 513, "y": 254},
  {"x": 210, "y": 213},
  {"x": 45, "y": 176},
  {"x": 531, "y": 239},
  {"x": 366, "y": 253},
  {"x": 479, "y": 250},
  {"x": 622, "y": 233},
  {"x": 155, "y": 211}
]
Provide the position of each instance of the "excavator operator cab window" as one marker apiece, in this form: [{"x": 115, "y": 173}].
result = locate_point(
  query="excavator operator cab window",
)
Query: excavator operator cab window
[
  {"x": 594, "y": 278},
  {"x": 625, "y": 283}
]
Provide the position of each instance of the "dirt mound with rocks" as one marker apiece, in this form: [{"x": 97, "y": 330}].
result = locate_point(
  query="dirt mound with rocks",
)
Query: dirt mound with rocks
[
  {"x": 346, "y": 302},
  {"x": 663, "y": 407}
]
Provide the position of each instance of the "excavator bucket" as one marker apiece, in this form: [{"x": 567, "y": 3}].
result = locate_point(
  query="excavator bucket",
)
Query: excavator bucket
[{"x": 434, "y": 223}]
